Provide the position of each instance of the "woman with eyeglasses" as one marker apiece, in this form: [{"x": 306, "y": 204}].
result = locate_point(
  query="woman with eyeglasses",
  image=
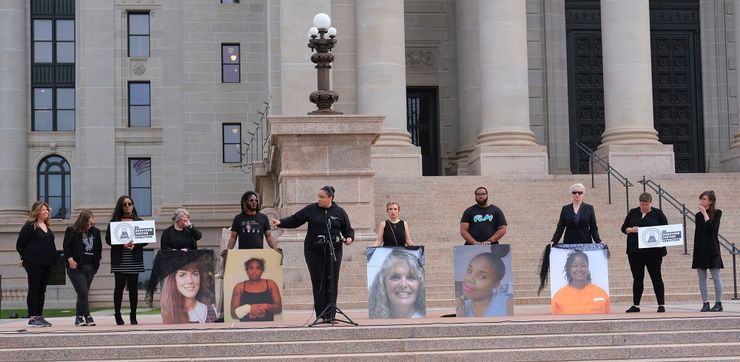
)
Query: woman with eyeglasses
[
  {"x": 126, "y": 261},
  {"x": 577, "y": 220}
]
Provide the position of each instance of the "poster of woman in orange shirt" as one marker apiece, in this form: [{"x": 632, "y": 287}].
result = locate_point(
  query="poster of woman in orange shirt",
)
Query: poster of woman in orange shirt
[{"x": 580, "y": 295}]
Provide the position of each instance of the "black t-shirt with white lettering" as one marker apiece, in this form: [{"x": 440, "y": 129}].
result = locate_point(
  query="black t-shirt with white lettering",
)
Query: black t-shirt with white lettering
[
  {"x": 484, "y": 221},
  {"x": 251, "y": 230}
]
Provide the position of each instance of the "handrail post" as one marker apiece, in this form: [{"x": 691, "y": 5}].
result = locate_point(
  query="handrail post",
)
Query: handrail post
[
  {"x": 734, "y": 270},
  {"x": 644, "y": 184},
  {"x": 660, "y": 199},
  {"x": 591, "y": 166},
  {"x": 609, "y": 183},
  {"x": 627, "y": 192},
  {"x": 685, "y": 237}
]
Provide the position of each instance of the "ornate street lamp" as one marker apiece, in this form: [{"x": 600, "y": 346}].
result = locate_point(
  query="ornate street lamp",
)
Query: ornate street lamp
[{"x": 322, "y": 38}]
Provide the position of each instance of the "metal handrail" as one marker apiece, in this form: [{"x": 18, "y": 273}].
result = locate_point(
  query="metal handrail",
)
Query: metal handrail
[
  {"x": 594, "y": 158},
  {"x": 255, "y": 149},
  {"x": 686, "y": 213}
]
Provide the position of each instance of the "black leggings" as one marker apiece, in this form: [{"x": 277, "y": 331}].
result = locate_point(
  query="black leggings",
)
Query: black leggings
[
  {"x": 132, "y": 280},
  {"x": 638, "y": 262},
  {"x": 38, "y": 278},
  {"x": 318, "y": 267}
]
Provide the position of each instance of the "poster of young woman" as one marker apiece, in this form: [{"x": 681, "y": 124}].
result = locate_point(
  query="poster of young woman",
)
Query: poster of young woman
[
  {"x": 395, "y": 280},
  {"x": 253, "y": 280},
  {"x": 579, "y": 276},
  {"x": 483, "y": 280}
]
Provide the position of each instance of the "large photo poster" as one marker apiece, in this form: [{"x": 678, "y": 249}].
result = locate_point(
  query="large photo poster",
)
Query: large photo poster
[
  {"x": 395, "y": 280},
  {"x": 253, "y": 284},
  {"x": 483, "y": 280},
  {"x": 579, "y": 277}
]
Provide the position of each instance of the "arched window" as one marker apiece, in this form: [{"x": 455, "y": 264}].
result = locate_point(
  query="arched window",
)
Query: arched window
[{"x": 55, "y": 185}]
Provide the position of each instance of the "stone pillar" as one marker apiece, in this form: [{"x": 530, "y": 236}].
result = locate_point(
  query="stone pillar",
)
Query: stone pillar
[
  {"x": 14, "y": 120},
  {"x": 630, "y": 142},
  {"x": 506, "y": 144},
  {"x": 730, "y": 159},
  {"x": 468, "y": 81},
  {"x": 381, "y": 84}
]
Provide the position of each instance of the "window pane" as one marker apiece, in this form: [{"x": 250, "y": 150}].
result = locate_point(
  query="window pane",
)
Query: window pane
[
  {"x": 140, "y": 171},
  {"x": 65, "y": 98},
  {"x": 232, "y": 153},
  {"x": 138, "y": 46},
  {"x": 138, "y": 24},
  {"x": 230, "y": 54},
  {"x": 140, "y": 116},
  {"x": 42, "y": 30},
  {"x": 143, "y": 199},
  {"x": 42, "y": 186},
  {"x": 231, "y": 73},
  {"x": 42, "y": 121},
  {"x": 42, "y": 98},
  {"x": 65, "y": 52},
  {"x": 232, "y": 133},
  {"x": 66, "y": 120},
  {"x": 55, "y": 185},
  {"x": 42, "y": 52},
  {"x": 138, "y": 94},
  {"x": 55, "y": 203},
  {"x": 65, "y": 30}
]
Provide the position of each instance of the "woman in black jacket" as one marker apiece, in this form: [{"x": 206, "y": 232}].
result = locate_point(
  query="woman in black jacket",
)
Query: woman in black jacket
[
  {"x": 577, "y": 219},
  {"x": 181, "y": 235},
  {"x": 707, "y": 252},
  {"x": 36, "y": 248},
  {"x": 326, "y": 221},
  {"x": 652, "y": 258},
  {"x": 83, "y": 249},
  {"x": 126, "y": 261}
]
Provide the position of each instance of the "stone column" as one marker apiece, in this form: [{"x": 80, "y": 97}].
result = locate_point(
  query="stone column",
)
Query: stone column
[
  {"x": 630, "y": 142},
  {"x": 506, "y": 144},
  {"x": 468, "y": 81},
  {"x": 14, "y": 120},
  {"x": 730, "y": 159},
  {"x": 381, "y": 84}
]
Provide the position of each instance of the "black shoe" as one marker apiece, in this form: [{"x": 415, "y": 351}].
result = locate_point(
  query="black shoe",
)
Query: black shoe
[
  {"x": 79, "y": 321},
  {"x": 705, "y": 307},
  {"x": 633, "y": 309},
  {"x": 133, "y": 319},
  {"x": 89, "y": 320},
  {"x": 36, "y": 323},
  {"x": 47, "y": 324},
  {"x": 661, "y": 309},
  {"x": 717, "y": 307},
  {"x": 119, "y": 320}
]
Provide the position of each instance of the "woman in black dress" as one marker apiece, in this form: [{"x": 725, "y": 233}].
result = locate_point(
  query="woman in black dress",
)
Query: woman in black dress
[
  {"x": 126, "y": 261},
  {"x": 393, "y": 231},
  {"x": 182, "y": 234},
  {"x": 83, "y": 248},
  {"x": 707, "y": 249},
  {"x": 652, "y": 258},
  {"x": 577, "y": 219}
]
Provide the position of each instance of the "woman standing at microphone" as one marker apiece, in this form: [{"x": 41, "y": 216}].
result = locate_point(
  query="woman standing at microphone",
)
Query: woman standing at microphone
[{"x": 325, "y": 220}]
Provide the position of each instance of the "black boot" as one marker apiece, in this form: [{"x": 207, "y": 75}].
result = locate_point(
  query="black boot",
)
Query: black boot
[
  {"x": 119, "y": 320},
  {"x": 717, "y": 307},
  {"x": 133, "y": 318},
  {"x": 705, "y": 307}
]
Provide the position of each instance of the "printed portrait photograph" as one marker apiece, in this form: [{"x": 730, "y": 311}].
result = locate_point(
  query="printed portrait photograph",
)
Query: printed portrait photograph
[
  {"x": 253, "y": 284},
  {"x": 579, "y": 279},
  {"x": 395, "y": 279},
  {"x": 483, "y": 280}
]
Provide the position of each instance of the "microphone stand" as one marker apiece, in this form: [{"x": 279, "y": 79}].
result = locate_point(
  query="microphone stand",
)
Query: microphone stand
[{"x": 328, "y": 315}]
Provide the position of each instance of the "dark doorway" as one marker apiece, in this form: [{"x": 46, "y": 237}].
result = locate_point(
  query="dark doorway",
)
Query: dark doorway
[
  {"x": 677, "y": 113},
  {"x": 421, "y": 122}
]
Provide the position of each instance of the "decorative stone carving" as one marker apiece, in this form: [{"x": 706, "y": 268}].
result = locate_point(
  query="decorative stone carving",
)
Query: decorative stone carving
[
  {"x": 138, "y": 68},
  {"x": 420, "y": 58}
]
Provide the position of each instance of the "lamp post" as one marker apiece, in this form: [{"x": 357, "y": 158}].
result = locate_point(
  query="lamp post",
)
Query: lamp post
[{"x": 322, "y": 38}]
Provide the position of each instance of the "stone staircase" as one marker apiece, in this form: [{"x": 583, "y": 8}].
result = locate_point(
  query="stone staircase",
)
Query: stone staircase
[{"x": 433, "y": 206}]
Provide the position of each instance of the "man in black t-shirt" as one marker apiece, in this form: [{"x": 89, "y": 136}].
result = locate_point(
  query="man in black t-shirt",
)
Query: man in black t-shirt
[
  {"x": 251, "y": 226},
  {"x": 482, "y": 224}
]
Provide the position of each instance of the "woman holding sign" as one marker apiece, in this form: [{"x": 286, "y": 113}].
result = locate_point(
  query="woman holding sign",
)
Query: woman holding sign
[
  {"x": 126, "y": 261},
  {"x": 639, "y": 259}
]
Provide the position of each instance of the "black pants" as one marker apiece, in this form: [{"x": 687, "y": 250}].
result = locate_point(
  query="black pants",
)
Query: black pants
[
  {"x": 132, "y": 280},
  {"x": 38, "y": 279},
  {"x": 638, "y": 262},
  {"x": 318, "y": 262},
  {"x": 82, "y": 279}
]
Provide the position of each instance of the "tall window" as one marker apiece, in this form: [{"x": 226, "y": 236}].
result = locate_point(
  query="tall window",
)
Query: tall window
[
  {"x": 230, "y": 63},
  {"x": 55, "y": 185},
  {"x": 53, "y": 41},
  {"x": 138, "y": 35},
  {"x": 140, "y": 184},
  {"x": 232, "y": 133},
  {"x": 139, "y": 104}
]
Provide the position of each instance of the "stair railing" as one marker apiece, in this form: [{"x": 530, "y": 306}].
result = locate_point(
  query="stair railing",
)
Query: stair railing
[
  {"x": 687, "y": 214},
  {"x": 611, "y": 172},
  {"x": 255, "y": 147}
]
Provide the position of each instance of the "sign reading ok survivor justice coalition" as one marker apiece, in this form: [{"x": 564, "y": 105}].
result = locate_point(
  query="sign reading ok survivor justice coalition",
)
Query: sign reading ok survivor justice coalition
[
  {"x": 660, "y": 236},
  {"x": 139, "y": 232}
]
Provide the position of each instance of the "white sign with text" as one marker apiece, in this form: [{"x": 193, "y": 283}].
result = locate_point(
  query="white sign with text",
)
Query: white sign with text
[
  {"x": 660, "y": 236},
  {"x": 140, "y": 232}
]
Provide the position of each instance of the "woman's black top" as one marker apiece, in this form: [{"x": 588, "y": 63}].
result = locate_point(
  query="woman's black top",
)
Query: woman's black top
[
  {"x": 707, "y": 252},
  {"x": 173, "y": 239},
  {"x": 257, "y": 298},
  {"x": 634, "y": 218},
  {"x": 318, "y": 218},
  {"x": 579, "y": 228},
  {"x": 394, "y": 234},
  {"x": 36, "y": 246},
  {"x": 116, "y": 251},
  {"x": 85, "y": 249}
]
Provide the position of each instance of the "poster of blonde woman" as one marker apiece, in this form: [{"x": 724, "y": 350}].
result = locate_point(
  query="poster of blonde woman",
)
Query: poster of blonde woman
[
  {"x": 395, "y": 279},
  {"x": 483, "y": 280},
  {"x": 579, "y": 279},
  {"x": 253, "y": 280}
]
